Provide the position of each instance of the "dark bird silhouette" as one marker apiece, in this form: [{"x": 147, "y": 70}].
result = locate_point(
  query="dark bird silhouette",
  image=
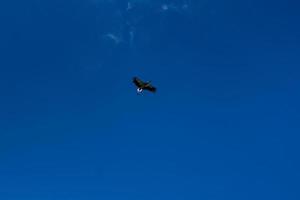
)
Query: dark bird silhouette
[{"x": 141, "y": 85}]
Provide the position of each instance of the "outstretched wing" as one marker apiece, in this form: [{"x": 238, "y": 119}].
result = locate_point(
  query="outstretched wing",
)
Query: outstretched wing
[
  {"x": 150, "y": 88},
  {"x": 139, "y": 83}
]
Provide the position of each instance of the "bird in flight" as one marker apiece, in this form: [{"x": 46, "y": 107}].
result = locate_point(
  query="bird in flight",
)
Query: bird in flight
[{"x": 141, "y": 85}]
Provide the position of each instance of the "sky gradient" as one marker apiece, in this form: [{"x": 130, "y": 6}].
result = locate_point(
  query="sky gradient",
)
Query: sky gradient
[{"x": 223, "y": 125}]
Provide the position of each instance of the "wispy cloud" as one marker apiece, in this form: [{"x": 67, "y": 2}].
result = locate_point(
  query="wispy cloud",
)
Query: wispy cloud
[
  {"x": 127, "y": 18},
  {"x": 113, "y": 37}
]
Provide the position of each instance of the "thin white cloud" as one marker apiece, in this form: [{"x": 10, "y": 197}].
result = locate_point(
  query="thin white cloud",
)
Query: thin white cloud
[
  {"x": 164, "y": 7},
  {"x": 113, "y": 37},
  {"x": 129, "y": 6}
]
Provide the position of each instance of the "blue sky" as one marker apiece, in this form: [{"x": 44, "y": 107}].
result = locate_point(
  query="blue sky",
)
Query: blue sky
[{"x": 224, "y": 123}]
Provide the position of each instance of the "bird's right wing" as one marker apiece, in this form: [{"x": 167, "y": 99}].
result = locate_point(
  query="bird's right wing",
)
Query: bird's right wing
[{"x": 151, "y": 88}]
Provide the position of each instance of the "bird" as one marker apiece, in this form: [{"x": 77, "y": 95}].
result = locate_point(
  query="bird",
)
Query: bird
[{"x": 141, "y": 85}]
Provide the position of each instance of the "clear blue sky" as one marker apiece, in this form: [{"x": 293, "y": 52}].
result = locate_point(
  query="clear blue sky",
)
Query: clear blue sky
[{"x": 223, "y": 125}]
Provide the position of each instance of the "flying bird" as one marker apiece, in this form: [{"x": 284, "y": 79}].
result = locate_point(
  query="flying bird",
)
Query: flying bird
[{"x": 141, "y": 85}]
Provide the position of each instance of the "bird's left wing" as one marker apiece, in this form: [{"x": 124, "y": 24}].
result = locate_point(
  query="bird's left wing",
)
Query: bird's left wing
[{"x": 137, "y": 82}]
